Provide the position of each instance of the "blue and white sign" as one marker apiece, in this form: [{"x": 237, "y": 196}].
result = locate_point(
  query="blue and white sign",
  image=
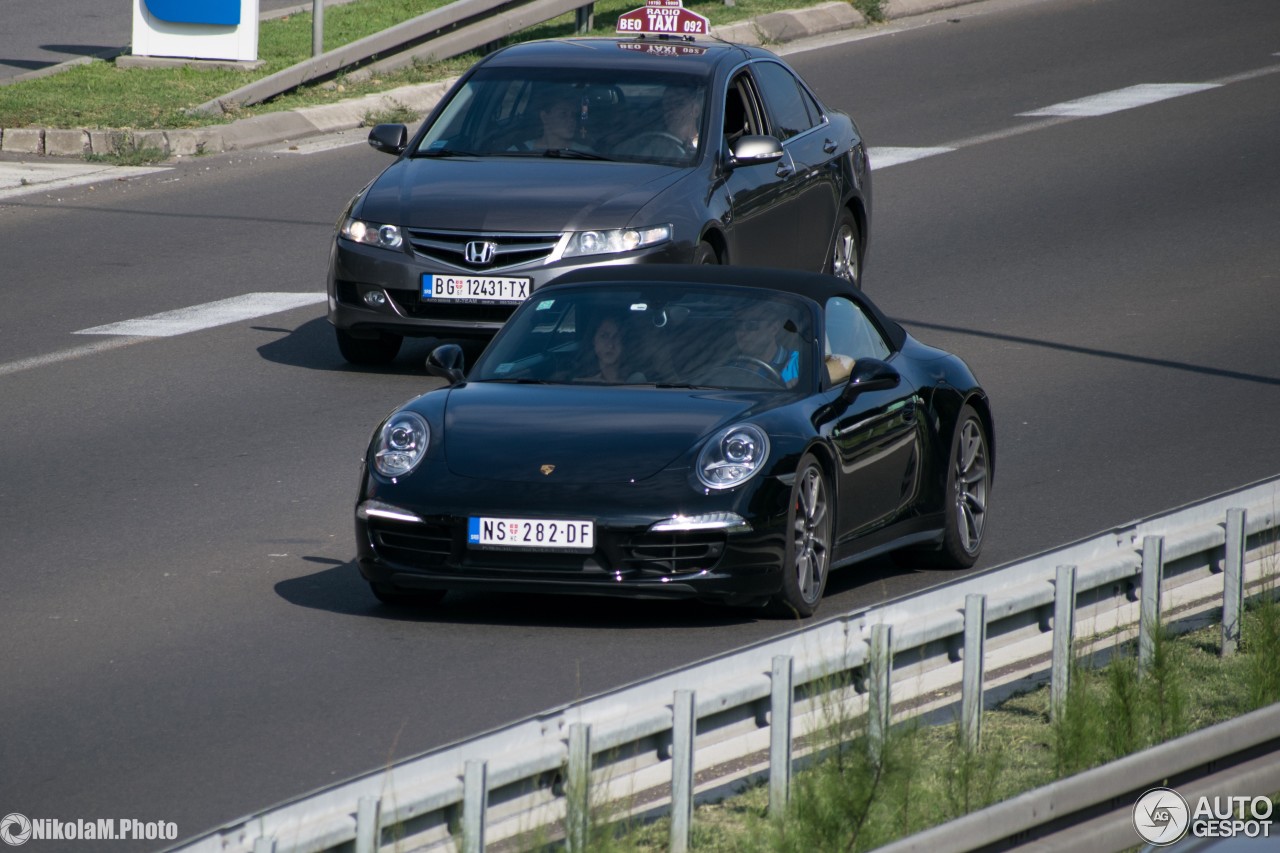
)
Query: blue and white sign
[{"x": 196, "y": 29}]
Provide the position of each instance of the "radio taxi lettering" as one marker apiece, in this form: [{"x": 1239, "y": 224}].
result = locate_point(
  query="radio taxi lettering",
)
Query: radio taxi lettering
[{"x": 663, "y": 18}]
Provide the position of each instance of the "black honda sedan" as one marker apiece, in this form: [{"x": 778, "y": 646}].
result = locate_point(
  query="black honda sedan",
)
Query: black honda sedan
[
  {"x": 552, "y": 156},
  {"x": 719, "y": 433}
]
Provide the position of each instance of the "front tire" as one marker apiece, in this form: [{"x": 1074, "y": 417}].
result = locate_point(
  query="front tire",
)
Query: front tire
[
  {"x": 370, "y": 352},
  {"x": 807, "y": 559},
  {"x": 705, "y": 254},
  {"x": 846, "y": 260}
]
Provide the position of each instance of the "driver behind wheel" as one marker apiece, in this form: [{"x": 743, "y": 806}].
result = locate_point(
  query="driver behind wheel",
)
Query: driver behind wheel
[{"x": 762, "y": 335}]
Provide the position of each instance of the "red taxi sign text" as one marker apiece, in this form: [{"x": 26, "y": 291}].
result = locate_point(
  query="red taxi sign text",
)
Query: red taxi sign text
[{"x": 663, "y": 18}]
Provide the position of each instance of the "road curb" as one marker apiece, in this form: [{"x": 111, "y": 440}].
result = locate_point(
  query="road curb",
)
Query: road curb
[{"x": 290, "y": 126}]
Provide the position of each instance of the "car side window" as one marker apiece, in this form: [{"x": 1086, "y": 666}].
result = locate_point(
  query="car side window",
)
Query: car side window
[
  {"x": 789, "y": 104},
  {"x": 741, "y": 110},
  {"x": 850, "y": 335}
]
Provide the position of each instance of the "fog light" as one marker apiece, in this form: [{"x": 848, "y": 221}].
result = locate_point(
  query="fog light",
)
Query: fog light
[{"x": 375, "y": 299}]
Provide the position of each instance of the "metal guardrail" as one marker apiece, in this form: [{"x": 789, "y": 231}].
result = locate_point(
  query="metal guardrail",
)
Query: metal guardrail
[
  {"x": 741, "y": 714},
  {"x": 439, "y": 34}
]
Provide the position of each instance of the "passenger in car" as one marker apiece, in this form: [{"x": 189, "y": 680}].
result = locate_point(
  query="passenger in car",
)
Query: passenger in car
[
  {"x": 760, "y": 332},
  {"x": 608, "y": 350}
]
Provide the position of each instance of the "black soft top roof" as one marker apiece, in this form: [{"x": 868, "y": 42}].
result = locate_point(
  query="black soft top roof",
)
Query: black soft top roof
[{"x": 818, "y": 287}]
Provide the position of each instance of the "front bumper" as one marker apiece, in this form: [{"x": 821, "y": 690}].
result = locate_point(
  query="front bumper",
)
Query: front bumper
[
  {"x": 734, "y": 563},
  {"x": 356, "y": 270}
]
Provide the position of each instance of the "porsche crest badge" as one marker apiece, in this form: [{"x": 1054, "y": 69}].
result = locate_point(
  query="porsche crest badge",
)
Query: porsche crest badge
[{"x": 547, "y": 469}]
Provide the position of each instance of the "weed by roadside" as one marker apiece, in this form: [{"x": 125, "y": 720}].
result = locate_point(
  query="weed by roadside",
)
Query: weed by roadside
[{"x": 848, "y": 802}]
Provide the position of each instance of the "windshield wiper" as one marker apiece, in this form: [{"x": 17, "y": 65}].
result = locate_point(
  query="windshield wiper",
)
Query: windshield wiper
[
  {"x": 447, "y": 152},
  {"x": 573, "y": 154}
]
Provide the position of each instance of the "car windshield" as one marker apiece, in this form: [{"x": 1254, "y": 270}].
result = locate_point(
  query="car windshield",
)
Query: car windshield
[
  {"x": 682, "y": 335},
  {"x": 592, "y": 114}
]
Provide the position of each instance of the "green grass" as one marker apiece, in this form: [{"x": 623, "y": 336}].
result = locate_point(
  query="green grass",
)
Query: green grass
[
  {"x": 847, "y": 802},
  {"x": 100, "y": 95}
]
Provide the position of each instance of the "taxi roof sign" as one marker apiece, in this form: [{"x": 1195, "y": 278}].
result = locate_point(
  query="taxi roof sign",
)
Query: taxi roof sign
[{"x": 663, "y": 18}]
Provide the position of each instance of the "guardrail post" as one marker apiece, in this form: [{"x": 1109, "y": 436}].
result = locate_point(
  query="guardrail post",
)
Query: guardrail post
[
  {"x": 475, "y": 803},
  {"x": 317, "y": 27},
  {"x": 1233, "y": 581},
  {"x": 975, "y": 641},
  {"x": 1064, "y": 637},
  {"x": 368, "y": 825},
  {"x": 684, "y": 724},
  {"x": 578, "y": 792},
  {"x": 585, "y": 19},
  {"x": 880, "y": 708},
  {"x": 783, "y": 695},
  {"x": 1149, "y": 614}
]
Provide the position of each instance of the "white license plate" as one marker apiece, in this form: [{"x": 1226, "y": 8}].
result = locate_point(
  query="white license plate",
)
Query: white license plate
[
  {"x": 545, "y": 534},
  {"x": 475, "y": 288}
]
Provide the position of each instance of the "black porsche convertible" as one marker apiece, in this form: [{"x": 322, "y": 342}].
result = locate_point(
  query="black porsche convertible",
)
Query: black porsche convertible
[{"x": 719, "y": 433}]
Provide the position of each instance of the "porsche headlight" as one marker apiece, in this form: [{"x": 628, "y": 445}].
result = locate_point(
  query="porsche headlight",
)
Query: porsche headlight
[
  {"x": 733, "y": 456},
  {"x": 615, "y": 240},
  {"x": 372, "y": 234},
  {"x": 401, "y": 444}
]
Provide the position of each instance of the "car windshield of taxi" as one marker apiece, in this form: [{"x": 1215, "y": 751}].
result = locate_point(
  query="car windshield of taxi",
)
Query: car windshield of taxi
[{"x": 593, "y": 114}]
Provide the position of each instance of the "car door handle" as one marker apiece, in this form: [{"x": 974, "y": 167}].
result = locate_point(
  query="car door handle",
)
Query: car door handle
[{"x": 829, "y": 146}]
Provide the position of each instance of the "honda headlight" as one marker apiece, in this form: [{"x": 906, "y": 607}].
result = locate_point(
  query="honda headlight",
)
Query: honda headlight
[
  {"x": 615, "y": 240},
  {"x": 371, "y": 234},
  {"x": 733, "y": 456},
  {"x": 401, "y": 444}
]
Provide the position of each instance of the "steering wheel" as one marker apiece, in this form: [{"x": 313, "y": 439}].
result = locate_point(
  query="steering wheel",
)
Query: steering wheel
[
  {"x": 666, "y": 140},
  {"x": 759, "y": 366}
]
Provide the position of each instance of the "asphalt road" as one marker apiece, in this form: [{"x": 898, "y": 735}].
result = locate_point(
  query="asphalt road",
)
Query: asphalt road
[
  {"x": 35, "y": 34},
  {"x": 184, "y": 635}
]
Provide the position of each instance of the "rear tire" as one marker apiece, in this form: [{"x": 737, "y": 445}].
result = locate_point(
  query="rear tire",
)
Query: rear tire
[
  {"x": 807, "y": 559},
  {"x": 968, "y": 482},
  {"x": 379, "y": 350}
]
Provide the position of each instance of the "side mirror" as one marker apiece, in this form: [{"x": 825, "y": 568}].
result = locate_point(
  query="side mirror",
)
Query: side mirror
[
  {"x": 389, "y": 138},
  {"x": 447, "y": 362},
  {"x": 869, "y": 374},
  {"x": 752, "y": 150}
]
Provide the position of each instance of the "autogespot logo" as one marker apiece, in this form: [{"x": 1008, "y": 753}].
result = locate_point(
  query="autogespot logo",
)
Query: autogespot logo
[
  {"x": 1161, "y": 816},
  {"x": 15, "y": 829}
]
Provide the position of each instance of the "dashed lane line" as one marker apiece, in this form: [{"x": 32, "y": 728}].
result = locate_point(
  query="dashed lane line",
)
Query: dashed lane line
[
  {"x": 1105, "y": 103},
  {"x": 197, "y": 317},
  {"x": 170, "y": 323},
  {"x": 26, "y": 177},
  {"x": 1116, "y": 101}
]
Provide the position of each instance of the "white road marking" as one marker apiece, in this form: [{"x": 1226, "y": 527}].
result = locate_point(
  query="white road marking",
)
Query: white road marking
[
  {"x": 1121, "y": 99},
  {"x": 65, "y": 355},
  {"x": 25, "y": 178},
  {"x": 197, "y": 317},
  {"x": 884, "y": 157},
  {"x": 329, "y": 143}
]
